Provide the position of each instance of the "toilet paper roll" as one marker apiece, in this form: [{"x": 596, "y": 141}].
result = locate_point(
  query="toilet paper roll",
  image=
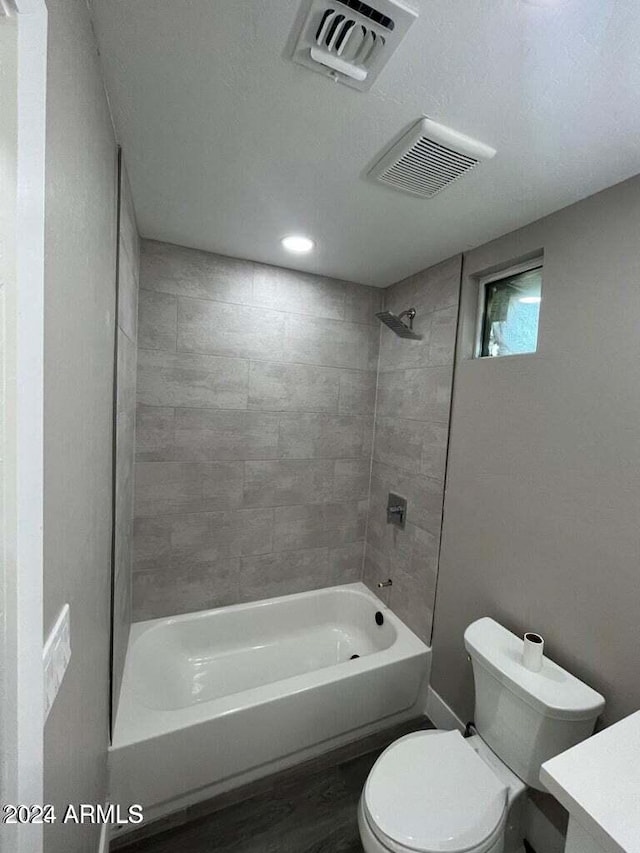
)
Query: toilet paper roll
[{"x": 532, "y": 651}]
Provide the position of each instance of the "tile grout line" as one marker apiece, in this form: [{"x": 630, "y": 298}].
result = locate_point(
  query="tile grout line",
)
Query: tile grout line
[
  {"x": 261, "y": 306},
  {"x": 282, "y": 362}
]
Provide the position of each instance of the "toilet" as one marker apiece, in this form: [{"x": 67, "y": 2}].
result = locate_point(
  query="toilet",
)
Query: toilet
[{"x": 434, "y": 791}]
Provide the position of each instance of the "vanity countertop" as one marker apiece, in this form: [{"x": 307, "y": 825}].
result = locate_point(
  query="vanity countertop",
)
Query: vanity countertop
[{"x": 598, "y": 782}]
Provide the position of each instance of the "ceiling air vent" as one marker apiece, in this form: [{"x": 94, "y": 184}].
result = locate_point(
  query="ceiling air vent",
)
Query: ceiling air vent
[
  {"x": 351, "y": 41},
  {"x": 428, "y": 158}
]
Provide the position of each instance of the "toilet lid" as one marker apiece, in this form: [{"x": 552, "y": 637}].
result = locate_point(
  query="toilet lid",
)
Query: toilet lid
[{"x": 430, "y": 792}]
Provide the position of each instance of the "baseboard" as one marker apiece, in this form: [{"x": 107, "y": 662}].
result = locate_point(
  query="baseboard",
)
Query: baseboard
[
  {"x": 104, "y": 838},
  {"x": 440, "y": 714}
]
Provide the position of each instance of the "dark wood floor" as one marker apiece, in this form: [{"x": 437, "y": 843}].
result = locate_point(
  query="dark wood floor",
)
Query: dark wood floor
[{"x": 316, "y": 815}]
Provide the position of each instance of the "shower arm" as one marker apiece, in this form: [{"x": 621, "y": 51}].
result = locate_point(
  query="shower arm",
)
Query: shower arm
[{"x": 410, "y": 313}]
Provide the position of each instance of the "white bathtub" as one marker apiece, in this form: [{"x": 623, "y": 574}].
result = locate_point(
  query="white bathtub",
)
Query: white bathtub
[{"x": 215, "y": 699}]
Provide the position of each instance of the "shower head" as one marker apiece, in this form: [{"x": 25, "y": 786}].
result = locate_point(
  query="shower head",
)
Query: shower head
[{"x": 395, "y": 323}]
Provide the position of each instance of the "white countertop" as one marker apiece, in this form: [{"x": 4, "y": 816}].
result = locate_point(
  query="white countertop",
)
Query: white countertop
[{"x": 598, "y": 782}]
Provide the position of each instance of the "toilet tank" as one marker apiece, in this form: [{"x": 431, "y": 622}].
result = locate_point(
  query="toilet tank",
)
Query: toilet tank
[{"x": 525, "y": 717}]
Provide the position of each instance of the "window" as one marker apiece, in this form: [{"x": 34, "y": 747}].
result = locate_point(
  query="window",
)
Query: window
[{"x": 510, "y": 304}]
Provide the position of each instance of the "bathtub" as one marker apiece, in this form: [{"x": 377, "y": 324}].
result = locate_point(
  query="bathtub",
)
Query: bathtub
[{"x": 214, "y": 699}]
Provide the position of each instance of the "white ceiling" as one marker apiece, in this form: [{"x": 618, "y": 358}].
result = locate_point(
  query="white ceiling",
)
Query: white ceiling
[{"x": 230, "y": 145}]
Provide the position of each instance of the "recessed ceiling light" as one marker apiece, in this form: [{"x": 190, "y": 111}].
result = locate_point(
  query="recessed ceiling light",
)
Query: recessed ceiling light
[
  {"x": 297, "y": 244},
  {"x": 530, "y": 300}
]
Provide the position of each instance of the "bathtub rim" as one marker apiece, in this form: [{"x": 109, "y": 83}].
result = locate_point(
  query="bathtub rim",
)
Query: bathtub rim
[
  {"x": 141, "y": 627},
  {"x": 135, "y": 722}
]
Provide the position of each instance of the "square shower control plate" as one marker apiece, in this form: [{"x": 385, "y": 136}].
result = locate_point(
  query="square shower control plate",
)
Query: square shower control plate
[{"x": 396, "y": 510}]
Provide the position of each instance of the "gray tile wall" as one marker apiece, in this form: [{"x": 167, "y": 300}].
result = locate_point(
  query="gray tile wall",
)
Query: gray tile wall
[
  {"x": 410, "y": 443},
  {"x": 256, "y": 392},
  {"x": 128, "y": 268}
]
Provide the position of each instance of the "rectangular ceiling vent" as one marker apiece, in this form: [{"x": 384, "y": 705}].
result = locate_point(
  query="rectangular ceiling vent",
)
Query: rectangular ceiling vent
[
  {"x": 428, "y": 158},
  {"x": 351, "y": 41}
]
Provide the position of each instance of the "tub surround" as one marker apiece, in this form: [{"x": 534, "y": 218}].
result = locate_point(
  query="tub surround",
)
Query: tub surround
[
  {"x": 256, "y": 390},
  {"x": 410, "y": 442},
  {"x": 257, "y": 469}
]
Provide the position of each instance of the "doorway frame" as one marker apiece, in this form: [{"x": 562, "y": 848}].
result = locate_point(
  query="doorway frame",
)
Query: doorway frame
[{"x": 22, "y": 575}]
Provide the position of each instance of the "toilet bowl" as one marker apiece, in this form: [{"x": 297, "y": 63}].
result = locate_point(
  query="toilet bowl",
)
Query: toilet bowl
[
  {"x": 434, "y": 791},
  {"x": 437, "y": 792}
]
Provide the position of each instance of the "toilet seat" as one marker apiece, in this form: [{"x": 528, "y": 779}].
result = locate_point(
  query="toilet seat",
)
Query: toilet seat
[{"x": 430, "y": 792}]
